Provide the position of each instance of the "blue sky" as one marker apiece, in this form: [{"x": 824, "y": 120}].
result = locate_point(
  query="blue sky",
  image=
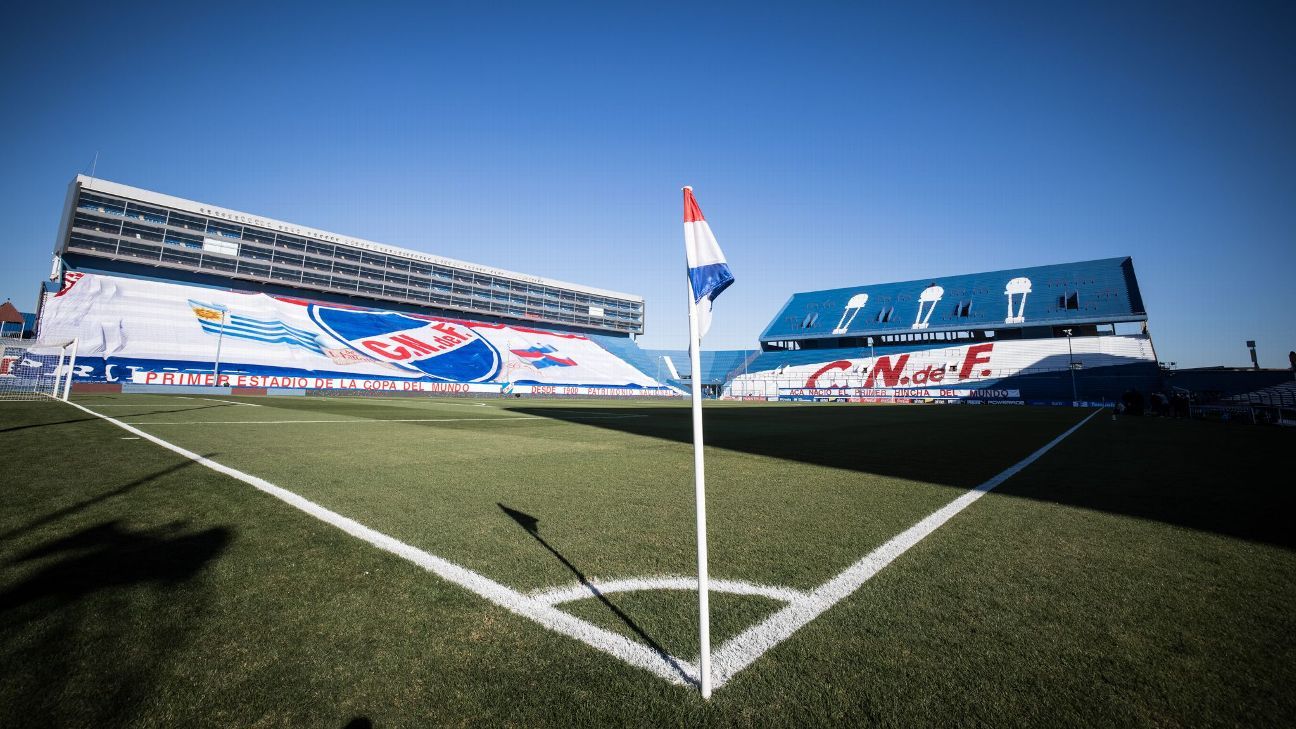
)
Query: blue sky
[{"x": 829, "y": 145}]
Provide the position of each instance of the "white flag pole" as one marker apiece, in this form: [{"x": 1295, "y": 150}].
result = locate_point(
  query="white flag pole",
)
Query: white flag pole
[{"x": 699, "y": 487}]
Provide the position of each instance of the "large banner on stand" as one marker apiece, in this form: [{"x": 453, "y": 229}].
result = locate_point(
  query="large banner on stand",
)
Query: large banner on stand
[
  {"x": 962, "y": 372},
  {"x": 149, "y": 332}
]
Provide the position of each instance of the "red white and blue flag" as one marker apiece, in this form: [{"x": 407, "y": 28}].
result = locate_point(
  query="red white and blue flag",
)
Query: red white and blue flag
[{"x": 708, "y": 271}]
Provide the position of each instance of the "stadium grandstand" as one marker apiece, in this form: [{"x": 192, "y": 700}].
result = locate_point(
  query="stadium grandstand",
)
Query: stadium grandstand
[
  {"x": 164, "y": 291},
  {"x": 161, "y": 292},
  {"x": 718, "y": 367},
  {"x": 1074, "y": 332}
]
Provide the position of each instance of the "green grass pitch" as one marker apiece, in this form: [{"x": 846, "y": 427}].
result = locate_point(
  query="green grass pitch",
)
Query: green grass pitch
[{"x": 1140, "y": 573}]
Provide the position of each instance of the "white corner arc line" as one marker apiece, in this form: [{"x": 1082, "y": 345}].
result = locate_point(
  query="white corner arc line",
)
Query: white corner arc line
[
  {"x": 672, "y": 669},
  {"x": 740, "y": 651},
  {"x": 595, "y": 588}
]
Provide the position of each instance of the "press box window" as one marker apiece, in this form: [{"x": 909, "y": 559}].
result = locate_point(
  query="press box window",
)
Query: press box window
[{"x": 222, "y": 247}]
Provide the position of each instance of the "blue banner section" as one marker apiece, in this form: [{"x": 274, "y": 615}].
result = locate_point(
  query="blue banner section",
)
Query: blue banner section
[
  {"x": 120, "y": 370},
  {"x": 439, "y": 349},
  {"x": 710, "y": 280},
  {"x": 123, "y": 369}
]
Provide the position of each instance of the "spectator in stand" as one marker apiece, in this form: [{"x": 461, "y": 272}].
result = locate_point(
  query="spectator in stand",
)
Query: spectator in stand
[{"x": 1160, "y": 404}]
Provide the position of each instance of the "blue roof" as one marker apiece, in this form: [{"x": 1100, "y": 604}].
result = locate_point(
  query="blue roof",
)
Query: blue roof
[{"x": 1102, "y": 291}]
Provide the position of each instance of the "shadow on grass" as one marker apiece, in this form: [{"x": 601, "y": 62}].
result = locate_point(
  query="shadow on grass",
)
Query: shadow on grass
[
  {"x": 110, "y": 555},
  {"x": 105, "y": 601},
  {"x": 86, "y": 503},
  {"x": 532, "y": 526},
  {"x": 1193, "y": 474}
]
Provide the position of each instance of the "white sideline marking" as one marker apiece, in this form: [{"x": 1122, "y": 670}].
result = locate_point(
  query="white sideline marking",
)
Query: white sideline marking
[
  {"x": 579, "y": 591},
  {"x": 147, "y": 405},
  {"x": 632, "y": 652},
  {"x": 736, "y": 654},
  {"x": 364, "y": 421},
  {"x": 740, "y": 651},
  {"x": 231, "y": 402},
  {"x": 374, "y": 420}
]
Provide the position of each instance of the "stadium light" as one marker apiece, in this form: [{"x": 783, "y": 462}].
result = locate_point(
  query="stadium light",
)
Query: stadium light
[{"x": 1255, "y": 364}]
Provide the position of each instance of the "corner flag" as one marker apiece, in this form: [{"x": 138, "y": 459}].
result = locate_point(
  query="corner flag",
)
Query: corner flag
[
  {"x": 708, "y": 276},
  {"x": 707, "y": 269}
]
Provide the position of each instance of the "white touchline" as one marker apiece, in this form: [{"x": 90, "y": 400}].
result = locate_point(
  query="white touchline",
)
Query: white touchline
[
  {"x": 736, "y": 654},
  {"x": 740, "y": 651},
  {"x": 363, "y": 421},
  {"x": 231, "y": 402},
  {"x": 367, "y": 421}
]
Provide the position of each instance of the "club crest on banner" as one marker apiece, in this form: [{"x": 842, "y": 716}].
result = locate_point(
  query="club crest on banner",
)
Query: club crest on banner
[
  {"x": 543, "y": 356},
  {"x": 440, "y": 348}
]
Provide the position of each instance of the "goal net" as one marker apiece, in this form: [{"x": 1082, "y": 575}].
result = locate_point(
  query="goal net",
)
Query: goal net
[{"x": 33, "y": 370}]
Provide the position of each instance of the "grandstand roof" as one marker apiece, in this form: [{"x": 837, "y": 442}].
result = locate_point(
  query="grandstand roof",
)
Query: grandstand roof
[
  {"x": 1100, "y": 291},
  {"x": 157, "y": 198}
]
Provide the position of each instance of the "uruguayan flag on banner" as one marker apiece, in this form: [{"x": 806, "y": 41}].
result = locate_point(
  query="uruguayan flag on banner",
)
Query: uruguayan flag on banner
[
  {"x": 707, "y": 270},
  {"x": 216, "y": 319}
]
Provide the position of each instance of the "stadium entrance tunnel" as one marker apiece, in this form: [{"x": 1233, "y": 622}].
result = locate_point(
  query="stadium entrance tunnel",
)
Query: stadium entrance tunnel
[{"x": 1177, "y": 472}]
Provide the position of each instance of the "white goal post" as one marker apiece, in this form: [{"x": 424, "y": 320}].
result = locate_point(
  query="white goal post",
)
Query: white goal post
[{"x": 32, "y": 369}]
